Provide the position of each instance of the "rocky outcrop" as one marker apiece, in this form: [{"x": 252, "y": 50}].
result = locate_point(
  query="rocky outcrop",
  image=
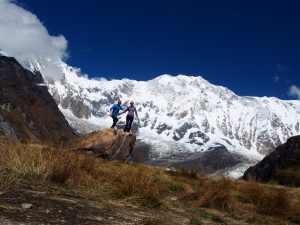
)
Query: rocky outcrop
[
  {"x": 107, "y": 143},
  {"x": 27, "y": 110},
  {"x": 281, "y": 166},
  {"x": 141, "y": 153}
]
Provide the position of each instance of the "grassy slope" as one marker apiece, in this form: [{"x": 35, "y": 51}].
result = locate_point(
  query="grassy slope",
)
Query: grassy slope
[{"x": 66, "y": 187}]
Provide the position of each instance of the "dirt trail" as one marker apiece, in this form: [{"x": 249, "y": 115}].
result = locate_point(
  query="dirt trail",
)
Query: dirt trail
[
  {"x": 47, "y": 205},
  {"x": 40, "y": 204}
]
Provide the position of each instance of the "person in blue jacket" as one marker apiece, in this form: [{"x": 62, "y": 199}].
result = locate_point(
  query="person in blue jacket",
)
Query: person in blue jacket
[{"x": 114, "y": 112}]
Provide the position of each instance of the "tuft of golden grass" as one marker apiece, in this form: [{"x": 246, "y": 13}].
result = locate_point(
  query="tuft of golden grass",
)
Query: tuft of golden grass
[
  {"x": 250, "y": 192},
  {"x": 217, "y": 194},
  {"x": 274, "y": 202},
  {"x": 267, "y": 200}
]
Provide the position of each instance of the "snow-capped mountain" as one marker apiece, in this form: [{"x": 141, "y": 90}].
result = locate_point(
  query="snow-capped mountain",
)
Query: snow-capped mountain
[{"x": 177, "y": 113}]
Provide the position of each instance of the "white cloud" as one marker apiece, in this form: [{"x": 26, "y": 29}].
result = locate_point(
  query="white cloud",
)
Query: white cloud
[
  {"x": 22, "y": 34},
  {"x": 294, "y": 91}
]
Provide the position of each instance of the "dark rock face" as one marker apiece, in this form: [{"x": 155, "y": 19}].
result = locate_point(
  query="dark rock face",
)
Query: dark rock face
[
  {"x": 27, "y": 110},
  {"x": 107, "y": 143},
  {"x": 210, "y": 161},
  {"x": 162, "y": 127},
  {"x": 140, "y": 153},
  {"x": 181, "y": 131},
  {"x": 77, "y": 106},
  {"x": 200, "y": 135},
  {"x": 281, "y": 166}
]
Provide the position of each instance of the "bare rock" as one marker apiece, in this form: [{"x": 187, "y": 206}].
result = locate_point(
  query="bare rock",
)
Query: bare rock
[
  {"x": 26, "y": 206},
  {"x": 107, "y": 143}
]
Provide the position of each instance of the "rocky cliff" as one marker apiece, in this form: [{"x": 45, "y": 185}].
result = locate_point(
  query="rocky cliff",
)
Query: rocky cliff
[
  {"x": 27, "y": 110},
  {"x": 281, "y": 166},
  {"x": 107, "y": 143}
]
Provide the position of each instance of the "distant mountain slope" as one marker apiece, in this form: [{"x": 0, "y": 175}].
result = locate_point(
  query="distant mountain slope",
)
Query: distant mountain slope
[
  {"x": 27, "y": 110},
  {"x": 282, "y": 165},
  {"x": 179, "y": 114},
  {"x": 182, "y": 108}
]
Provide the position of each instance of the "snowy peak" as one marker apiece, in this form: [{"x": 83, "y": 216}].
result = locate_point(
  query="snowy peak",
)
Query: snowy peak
[
  {"x": 50, "y": 68},
  {"x": 179, "y": 109},
  {"x": 181, "y": 82}
]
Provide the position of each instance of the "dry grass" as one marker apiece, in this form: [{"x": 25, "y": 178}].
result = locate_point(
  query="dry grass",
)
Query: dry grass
[
  {"x": 217, "y": 195},
  {"x": 250, "y": 192},
  {"x": 266, "y": 200},
  {"x": 78, "y": 171},
  {"x": 37, "y": 162},
  {"x": 274, "y": 202},
  {"x": 144, "y": 185},
  {"x": 262, "y": 203}
]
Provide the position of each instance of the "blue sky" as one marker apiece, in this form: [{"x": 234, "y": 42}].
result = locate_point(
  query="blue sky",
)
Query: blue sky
[{"x": 251, "y": 47}]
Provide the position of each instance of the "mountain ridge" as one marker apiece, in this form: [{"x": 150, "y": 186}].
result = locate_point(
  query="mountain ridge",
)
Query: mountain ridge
[
  {"x": 23, "y": 99},
  {"x": 181, "y": 113}
]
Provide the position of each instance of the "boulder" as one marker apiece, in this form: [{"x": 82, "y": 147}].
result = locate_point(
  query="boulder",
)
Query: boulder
[{"x": 107, "y": 143}]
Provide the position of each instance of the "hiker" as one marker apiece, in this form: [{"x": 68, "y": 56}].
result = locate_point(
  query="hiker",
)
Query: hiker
[
  {"x": 130, "y": 116},
  {"x": 114, "y": 112}
]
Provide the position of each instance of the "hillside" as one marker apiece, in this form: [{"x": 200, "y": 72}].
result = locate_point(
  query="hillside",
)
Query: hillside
[
  {"x": 281, "y": 166},
  {"x": 27, "y": 110},
  {"x": 44, "y": 185}
]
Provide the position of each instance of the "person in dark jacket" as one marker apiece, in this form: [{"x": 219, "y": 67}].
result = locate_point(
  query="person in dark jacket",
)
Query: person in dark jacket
[
  {"x": 130, "y": 116},
  {"x": 114, "y": 112}
]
